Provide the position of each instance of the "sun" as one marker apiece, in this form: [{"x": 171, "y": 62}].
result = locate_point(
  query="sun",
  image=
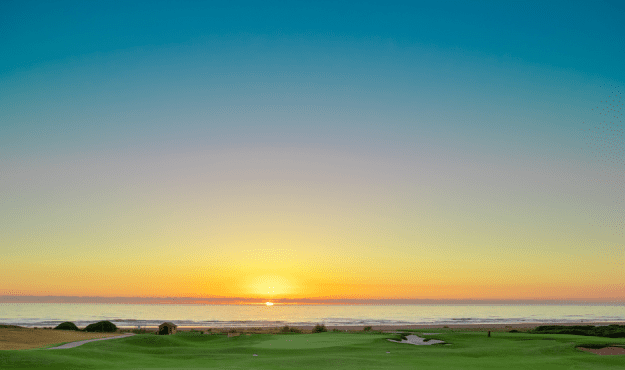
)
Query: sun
[{"x": 269, "y": 303}]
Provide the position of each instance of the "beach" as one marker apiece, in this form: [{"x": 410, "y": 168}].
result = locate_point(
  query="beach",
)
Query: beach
[{"x": 391, "y": 328}]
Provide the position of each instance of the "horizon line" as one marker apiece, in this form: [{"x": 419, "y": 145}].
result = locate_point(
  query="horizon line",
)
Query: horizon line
[{"x": 288, "y": 301}]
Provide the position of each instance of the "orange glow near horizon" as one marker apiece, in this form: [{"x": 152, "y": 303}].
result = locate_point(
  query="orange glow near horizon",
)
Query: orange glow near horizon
[
  {"x": 327, "y": 291},
  {"x": 263, "y": 266}
]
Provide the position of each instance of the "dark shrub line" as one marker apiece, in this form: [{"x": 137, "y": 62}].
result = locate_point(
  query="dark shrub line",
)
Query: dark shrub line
[
  {"x": 287, "y": 329},
  {"x": 610, "y": 331}
]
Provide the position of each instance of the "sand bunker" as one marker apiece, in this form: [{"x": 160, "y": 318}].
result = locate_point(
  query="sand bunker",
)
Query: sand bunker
[
  {"x": 413, "y": 339},
  {"x": 605, "y": 350}
]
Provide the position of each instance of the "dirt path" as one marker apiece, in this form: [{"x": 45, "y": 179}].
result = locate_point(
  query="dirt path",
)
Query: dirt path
[{"x": 80, "y": 343}]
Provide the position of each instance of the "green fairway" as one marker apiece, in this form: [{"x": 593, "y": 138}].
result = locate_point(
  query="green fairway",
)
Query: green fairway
[
  {"x": 309, "y": 341},
  {"x": 331, "y": 350}
]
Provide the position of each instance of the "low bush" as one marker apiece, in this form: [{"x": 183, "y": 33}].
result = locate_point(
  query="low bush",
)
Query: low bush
[
  {"x": 514, "y": 331},
  {"x": 102, "y": 326},
  {"x": 319, "y": 328},
  {"x": 66, "y": 326},
  {"x": 367, "y": 328},
  {"x": 287, "y": 329}
]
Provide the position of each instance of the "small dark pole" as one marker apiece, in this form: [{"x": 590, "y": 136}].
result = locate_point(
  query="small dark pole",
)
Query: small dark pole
[{"x": 489, "y": 333}]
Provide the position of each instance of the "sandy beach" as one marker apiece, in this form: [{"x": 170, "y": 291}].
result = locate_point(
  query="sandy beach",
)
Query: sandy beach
[{"x": 464, "y": 327}]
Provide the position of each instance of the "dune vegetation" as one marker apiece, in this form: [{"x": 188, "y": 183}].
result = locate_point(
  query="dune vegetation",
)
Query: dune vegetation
[
  {"x": 101, "y": 326},
  {"x": 18, "y": 338},
  {"x": 67, "y": 326},
  {"x": 609, "y": 331}
]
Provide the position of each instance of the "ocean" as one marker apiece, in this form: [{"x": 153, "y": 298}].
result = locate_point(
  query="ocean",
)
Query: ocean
[{"x": 219, "y": 316}]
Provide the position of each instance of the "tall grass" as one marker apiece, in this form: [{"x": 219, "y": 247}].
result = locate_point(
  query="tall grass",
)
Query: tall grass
[
  {"x": 610, "y": 331},
  {"x": 287, "y": 329}
]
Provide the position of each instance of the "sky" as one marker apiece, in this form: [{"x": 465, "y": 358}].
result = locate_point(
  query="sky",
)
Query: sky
[{"x": 325, "y": 150}]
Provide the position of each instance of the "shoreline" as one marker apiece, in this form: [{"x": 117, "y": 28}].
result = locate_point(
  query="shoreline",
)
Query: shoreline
[
  {"x": 468, "y": 327},
  {"x": 524, "y": 326}
]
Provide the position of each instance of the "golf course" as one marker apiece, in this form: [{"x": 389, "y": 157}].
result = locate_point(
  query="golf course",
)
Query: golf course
[{"x": 328, "y": 350}]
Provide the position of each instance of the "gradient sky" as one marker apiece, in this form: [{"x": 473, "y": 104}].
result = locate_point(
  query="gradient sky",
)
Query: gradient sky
[{"x": 338, "y": 149}]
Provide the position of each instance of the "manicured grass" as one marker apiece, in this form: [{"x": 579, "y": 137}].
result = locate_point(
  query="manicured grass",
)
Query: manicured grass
[{"x": 329, "y": 350}]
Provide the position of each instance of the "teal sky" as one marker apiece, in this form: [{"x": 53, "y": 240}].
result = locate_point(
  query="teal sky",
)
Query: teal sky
[{"x": 371, "y": 121}]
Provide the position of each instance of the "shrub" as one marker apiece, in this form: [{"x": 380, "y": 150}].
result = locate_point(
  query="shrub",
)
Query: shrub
[
  {"x": 367, "y": 328},
  {"x": 66, "y": 326},
  {"x": 287, "y": 329},
  {"x": 233, "y": 330},
  {"x": 319, "y": 328},
  {"x": 513, "y": 331},
  {"x": 336, "y": 330},
  {"x": 102, "y": 326}
]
